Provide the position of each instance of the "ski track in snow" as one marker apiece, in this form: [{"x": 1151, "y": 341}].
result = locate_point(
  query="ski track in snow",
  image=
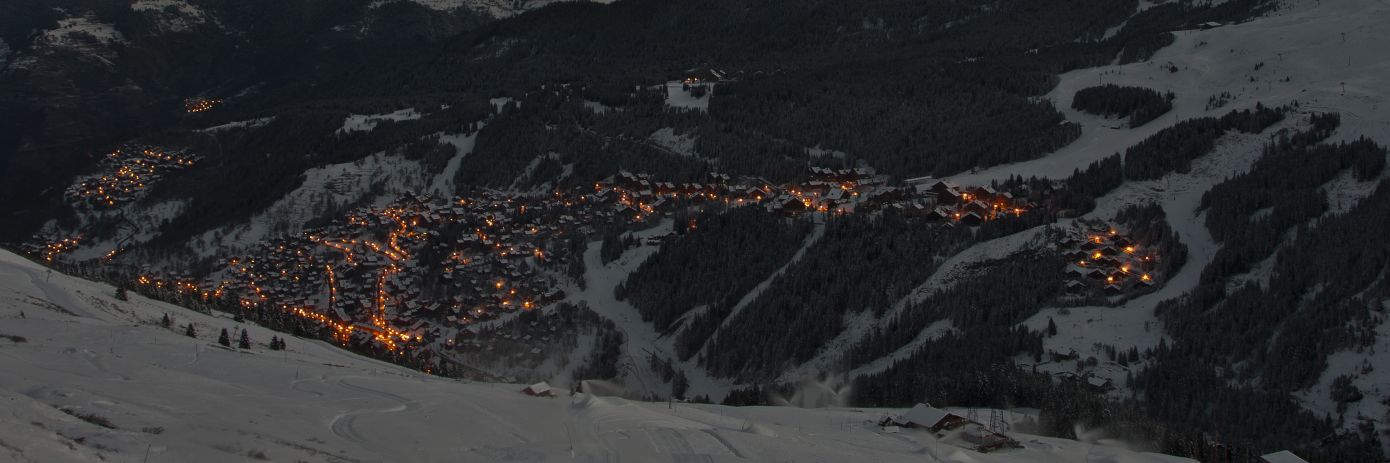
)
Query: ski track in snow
[{"x": 817, "y": 232}]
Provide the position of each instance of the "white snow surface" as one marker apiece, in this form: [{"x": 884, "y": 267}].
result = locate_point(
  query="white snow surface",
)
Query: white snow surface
[
  {"x": 494, "y": 8},
  {"x": 1368, "y": 374},
  {"x": 678, "y": 97},
  {"x": 175, "y": 398},
  {"x": 171, "y": 15},
  {"x": 642, "y": 339},
  {"x": 83, "y": 34},
  {"x": 1302, "y": 41},
  {"x": 443, "y": 184},
  {"x": 667, "y": 138},
  {"x": 367, "y": 122},
  {"x": 246, "y": 124}
]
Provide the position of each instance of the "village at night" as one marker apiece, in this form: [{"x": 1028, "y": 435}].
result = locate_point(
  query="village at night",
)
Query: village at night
[
  {"x": 695, "y": 231},
  {"x": 416, "y": 277}
]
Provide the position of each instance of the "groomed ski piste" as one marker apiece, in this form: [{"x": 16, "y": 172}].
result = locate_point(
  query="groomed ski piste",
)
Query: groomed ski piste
[{"x": 88, "y": 377}]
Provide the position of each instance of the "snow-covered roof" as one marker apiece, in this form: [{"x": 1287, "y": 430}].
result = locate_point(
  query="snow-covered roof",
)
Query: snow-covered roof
[
  {"x": 923, "y": 415},
  {"x": 1282, "y": 456}
]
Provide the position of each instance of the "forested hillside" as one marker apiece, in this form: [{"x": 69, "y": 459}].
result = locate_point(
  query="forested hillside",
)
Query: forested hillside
[
  {"x": 720, "y": 256},
  {"x": 1136, "y": 104},
  {"x": 860, "y": 265}
]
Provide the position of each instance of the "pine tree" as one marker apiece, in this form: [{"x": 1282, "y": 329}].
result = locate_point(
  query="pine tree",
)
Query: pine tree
[
  {"x": 223, "y": 339},
  {"x": 166, "y": 322},
  {"x": 190, "y": 332},
  {"x": 245, "y": 341},
  {"x": 1051, "y": 327},
  {"x": 679, "y": 385},
  {"x": 121, "y": 295}
]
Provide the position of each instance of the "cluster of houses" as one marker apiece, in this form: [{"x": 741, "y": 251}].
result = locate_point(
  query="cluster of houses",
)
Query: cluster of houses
[
  {"x": 825, "y": 191},
  {"x": 198, "y": 105},
  {"x": 1104, "y": 259},
  {"x": 125, "y": 174},
  {"x": 948, "y": 427},
  {"x": 703, "y": 75},
  {"x": 52, "y": 247},
  {"x": 416, "y": 271},
  {"x": 942, "y": 200},
  {"x": 422, "y": 272}
]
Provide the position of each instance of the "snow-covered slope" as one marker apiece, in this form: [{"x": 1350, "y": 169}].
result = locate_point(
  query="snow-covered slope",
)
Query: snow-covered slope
[
  {"x": 89, "y": 377},
  {"x": 1328, "y": 56},
  {"x": 493, "y": 8}
]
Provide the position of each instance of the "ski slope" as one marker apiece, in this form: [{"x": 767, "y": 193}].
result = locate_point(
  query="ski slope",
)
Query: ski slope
[
  {"x": 1331, "y": 53},
  {"x": 1324, "y": 56},
  {"x": 68, "y": 347}
]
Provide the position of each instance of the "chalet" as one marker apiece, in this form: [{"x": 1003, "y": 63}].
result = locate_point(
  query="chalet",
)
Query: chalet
[
  {"x": 932, "y": 419},
  {"x": 946, "y": 192},
  {"x": 979, "y": 207},
  {"x": 938, "y": 213},
  {"x": 1076, "y": 271},
  {"x": 883, "y": 195},
  {"x": 702, "y": 75},
  {"x": 972, "y": 218},
  {"x": 1098, "y": 384}
]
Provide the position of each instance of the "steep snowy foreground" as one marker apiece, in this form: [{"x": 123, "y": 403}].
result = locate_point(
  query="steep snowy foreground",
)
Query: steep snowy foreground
[{"x": 70, "y": 349}]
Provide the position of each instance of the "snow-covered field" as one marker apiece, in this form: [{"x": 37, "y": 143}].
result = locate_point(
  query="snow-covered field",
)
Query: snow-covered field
[
  {"x": 246, "y": 124},
  {"x": 494, "y": 8},
  {"x": 367, "y": 122},
  {"x": 70, "y": 349},
  {"x": 668, "y": 139},
  {"x": 171, "y": 15},
  {"x": 83, "y": 34},
  {"x": 678, "y": 97},
  {"x": 1332, "y": 54}
]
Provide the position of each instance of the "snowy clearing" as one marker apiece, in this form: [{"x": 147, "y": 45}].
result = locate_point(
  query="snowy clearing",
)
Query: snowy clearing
[{"x": 367, "y": 122}]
